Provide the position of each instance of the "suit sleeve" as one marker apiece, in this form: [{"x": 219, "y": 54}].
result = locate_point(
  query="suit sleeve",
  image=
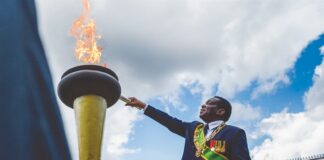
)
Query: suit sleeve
[
  {"x": 239, "y": 148},
  {"x": 173, "y": 124}
]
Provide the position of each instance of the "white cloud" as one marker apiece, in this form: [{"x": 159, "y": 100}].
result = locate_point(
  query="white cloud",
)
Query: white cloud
[
  {"x": 118, "y": 129},
  {"x": 295, "y": 134},
  {"x": 290, "y": 135},
  {"x": 244, "y": 112},
  {"x": 157, "y": 46},
  {"x": 322, "y": 50},
  {"x": 231, "y": 46},
  {"x": 314, "y": 97},
  {"x": 244, "y": 116},
  {"x": 223, "y": 43},
  {"x": 269, "y": 85},
  {"x": 174, "y": 100}
]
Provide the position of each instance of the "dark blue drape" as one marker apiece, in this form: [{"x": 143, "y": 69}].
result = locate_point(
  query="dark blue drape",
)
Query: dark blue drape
[{"x": 31, "y": 127}]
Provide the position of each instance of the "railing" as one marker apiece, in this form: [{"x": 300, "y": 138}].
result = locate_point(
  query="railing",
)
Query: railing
[{"x": 313, "y": 157}]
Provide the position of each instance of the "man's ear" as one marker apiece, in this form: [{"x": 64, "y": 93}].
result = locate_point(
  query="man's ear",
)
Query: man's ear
[{"x": 220, "y": 112}]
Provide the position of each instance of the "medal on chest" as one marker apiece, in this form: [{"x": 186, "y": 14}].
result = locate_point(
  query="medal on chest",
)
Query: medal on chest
[{"x": 200, "y": 140}]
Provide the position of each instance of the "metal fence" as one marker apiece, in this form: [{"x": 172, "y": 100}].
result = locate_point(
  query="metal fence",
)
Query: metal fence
[{"x": 313, "y": 157}]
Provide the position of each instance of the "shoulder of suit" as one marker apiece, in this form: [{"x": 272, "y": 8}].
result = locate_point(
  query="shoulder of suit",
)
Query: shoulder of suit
[
  {"x": 193, "y": 124},
  {"x": 233, "y": 129}
]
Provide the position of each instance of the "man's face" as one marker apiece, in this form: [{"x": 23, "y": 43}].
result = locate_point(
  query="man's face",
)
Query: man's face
[{"x": 210, "y": 111}]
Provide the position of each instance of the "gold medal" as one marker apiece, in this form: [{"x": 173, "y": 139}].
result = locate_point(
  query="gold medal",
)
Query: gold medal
[
  {"x": 200, "y": 140},
  {"x": 198, "y": 153}
]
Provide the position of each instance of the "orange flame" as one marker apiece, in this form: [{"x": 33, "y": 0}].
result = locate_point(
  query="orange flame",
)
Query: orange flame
[{"x": 84, "y": 31}]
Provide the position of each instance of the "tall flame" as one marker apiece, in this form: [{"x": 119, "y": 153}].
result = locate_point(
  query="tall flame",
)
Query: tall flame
[{"x": 84, "y": 31}]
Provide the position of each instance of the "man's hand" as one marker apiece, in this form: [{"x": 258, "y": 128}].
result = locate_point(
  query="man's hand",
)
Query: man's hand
[{"x": 134, "y": 102}]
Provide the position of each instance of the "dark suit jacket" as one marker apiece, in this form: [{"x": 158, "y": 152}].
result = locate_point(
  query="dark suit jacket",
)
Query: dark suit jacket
[
  {"x": 236, "y": 145},
  {"x": 30, "y": 121}
]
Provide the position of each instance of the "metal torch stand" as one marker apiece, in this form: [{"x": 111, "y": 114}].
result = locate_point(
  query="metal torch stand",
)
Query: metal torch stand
[
  {"x": 90, "y": 112},
  {"x": 89, "y": 90}
]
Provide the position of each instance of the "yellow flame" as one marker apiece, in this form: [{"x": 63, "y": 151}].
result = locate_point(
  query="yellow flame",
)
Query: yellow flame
[{"x": 84, "y": 30}]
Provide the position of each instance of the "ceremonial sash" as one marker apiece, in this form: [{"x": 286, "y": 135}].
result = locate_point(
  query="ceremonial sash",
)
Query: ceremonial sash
[{"x": 204, "y": 151}]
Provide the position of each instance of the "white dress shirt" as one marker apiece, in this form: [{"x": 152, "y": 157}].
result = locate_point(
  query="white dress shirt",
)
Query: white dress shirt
[
  {"x": 212, "y": 126},
  {"x": 145, "y": 107}
]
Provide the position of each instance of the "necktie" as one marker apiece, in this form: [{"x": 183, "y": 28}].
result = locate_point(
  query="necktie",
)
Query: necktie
[{"x": 206, "y": 129}]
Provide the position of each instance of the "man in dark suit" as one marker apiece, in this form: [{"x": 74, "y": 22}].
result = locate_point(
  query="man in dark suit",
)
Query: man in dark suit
[
  {"x": 30, "y": 121},
  {"x": 212, "y": 140}
]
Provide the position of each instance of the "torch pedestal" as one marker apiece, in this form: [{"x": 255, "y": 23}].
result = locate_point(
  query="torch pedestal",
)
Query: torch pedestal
[{"x": 89, "y": 89}]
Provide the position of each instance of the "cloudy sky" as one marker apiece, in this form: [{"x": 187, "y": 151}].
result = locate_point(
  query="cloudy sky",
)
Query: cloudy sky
[{"x": 265, "y": 56}]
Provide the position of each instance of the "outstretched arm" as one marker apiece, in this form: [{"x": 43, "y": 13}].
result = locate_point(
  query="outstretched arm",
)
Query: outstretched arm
[{"x": 173, "y": 124}]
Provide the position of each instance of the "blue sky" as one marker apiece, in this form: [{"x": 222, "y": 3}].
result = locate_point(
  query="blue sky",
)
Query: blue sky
[
  {"x": 300, "y": 75},
  {"x": 266, "y": 57},
  {"x": 162, "y": 144}
]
